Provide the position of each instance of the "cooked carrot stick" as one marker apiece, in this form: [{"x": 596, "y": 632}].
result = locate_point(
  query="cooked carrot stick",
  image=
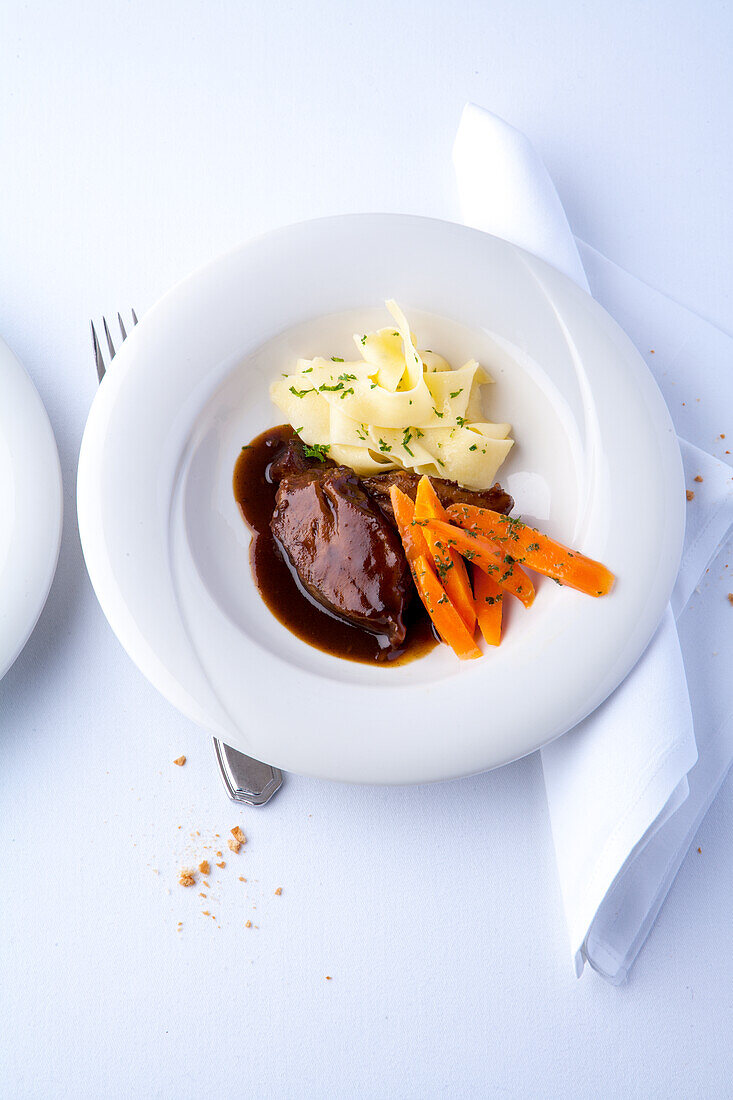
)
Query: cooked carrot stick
[
  {"x": 536, "y": 550},
  {"x": 488, "y": 597},
  {"x": 487, "y": 555},
  {"x": 445, "y": 617},
  {"x": 448, "y": 563},
  {"x": 413, "y": 539}
]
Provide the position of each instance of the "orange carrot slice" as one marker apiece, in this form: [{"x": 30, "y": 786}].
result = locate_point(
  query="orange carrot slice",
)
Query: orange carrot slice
[
  {"x": 413, "y": 539},
  {"x": 536, "y": 550},
  {"x": 488, "y": 597},
  {"x": 445, "y": 617},
  {"x": 448, "y": 563},
  {"x": 487, "y": 555}
]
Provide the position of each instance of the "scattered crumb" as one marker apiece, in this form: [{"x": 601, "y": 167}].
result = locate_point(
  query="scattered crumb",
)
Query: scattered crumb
[
  {"x": 248, "y": 924},
  {"x": 186, "y": 877},
  {"x": 651, "y": 351},
  {"x": 698, "y": 478},
  {"x": 730, "y": 597},
  {"x": 238, "y": 835},
  {"x": 234, "y": 845},
  {"x": 690, "y": 495},
  {"x": 206, "y": 884},
  {"x": 206, "y": 912},
  {"x": 204, "y": 867},
  {"x": 700, "y": 850},
  {"x": 222, "y": 864},
  {"x": 180, "y": 761},
  {"x": 242, "y": 879},
  {"x": 722, "y": 435},
  {"x": 203, "y": 895},
  {"x": 329, "y": 978},
  {"x": 156, "y": 871},
  {"x": 220, "y": 854},
  {"x": 279, "y": 891}
]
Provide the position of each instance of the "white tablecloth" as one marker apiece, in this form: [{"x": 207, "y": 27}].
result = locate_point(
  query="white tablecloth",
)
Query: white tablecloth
[{"x": 139, "y": 140}]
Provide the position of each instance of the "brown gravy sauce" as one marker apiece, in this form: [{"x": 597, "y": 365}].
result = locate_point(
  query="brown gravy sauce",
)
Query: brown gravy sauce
[{"x": 255, "y": 494}]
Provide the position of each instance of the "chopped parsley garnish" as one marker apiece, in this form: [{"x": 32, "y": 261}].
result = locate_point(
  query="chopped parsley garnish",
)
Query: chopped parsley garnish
[
  {"x": 509, "y": 559},
  {"x": 347, "y": 377},
  {"x": 247, "y": 447},
  {"x": 457, "y": 392},
  {"x": 331, "y": 389},
  {"x": 336, "y": 359},
  {"x": 317, "y": 450},
  {"x": 346, "y": 392},
  {"x": 298, "y": 430},
  {"x": 418, "y": 433},
  {"x": 439, "y": 462},
  {"x": 533, "y": 546},
  {"x": 473, "y": 447},
  {"x": 439, "y": 415},
  {"x": 470, "y": 554},
  {"x": 307, "y": 370},
  {"x": 301, "y": 393},
  {"x": 460, "y": 421},
  {"x": 384, "y": 446},
  {"x": 363, "y": 339}
]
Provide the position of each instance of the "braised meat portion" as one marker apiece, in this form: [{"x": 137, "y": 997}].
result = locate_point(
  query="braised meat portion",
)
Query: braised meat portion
[
  {"x": 292, "y": 459},
  {"x": 345, "y": 553},
  {"x": 449, "y": 492}
]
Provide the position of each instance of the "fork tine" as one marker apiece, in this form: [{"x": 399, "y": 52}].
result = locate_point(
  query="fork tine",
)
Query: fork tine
[
  {"x": 134, "y": 316},
  {"x": 122, "y": 327},
  {"x": 98, "y": 357},
  {"x": 110, "y": 345}
]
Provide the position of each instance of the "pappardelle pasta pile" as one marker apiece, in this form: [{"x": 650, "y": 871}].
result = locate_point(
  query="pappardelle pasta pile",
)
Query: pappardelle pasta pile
[{"x": 396, "y": 407}]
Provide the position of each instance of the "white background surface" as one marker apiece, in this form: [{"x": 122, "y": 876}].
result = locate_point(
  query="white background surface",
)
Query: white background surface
[{"x": 137, "y": 141}]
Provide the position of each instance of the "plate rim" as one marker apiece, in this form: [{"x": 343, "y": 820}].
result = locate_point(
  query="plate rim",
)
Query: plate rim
[{"x": 43, "y": 509}]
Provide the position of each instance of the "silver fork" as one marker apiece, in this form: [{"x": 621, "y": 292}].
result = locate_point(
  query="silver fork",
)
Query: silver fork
[{"x": 246, "y": 780}]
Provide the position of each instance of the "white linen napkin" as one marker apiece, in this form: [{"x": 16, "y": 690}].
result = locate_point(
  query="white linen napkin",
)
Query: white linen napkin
[{"x": 624, "y": 791}]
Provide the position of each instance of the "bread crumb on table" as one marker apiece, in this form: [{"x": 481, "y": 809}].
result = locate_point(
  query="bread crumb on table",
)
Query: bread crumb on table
[
  {"x": 222, "y": 864},
  {"x": 279, "y": 891},
  {"x": 698, "y": 478},
  {"x": 180, "y": 761},
  {"x": 186, "y": 877},
  {"x": 242, "y": 878},
  {"x": 730, "y": 597},
  {"x": 248, "y": 924},
  {"x": 689, "y": 494},
  {"x": 204, "y": 867},
  {"x": 233, "y": 844},
  {"x": 238, "y": 834}
]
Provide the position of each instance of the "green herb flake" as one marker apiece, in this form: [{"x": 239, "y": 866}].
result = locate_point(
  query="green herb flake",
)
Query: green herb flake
[
  {"x": 384, "y": 447},
  {"x": 460, "y": 421},
  {"x": 301, "y": 393},
  {"x": 533, "y": 546},
  {"x": 317, "y": 450},
  {"x": 439, "y": 415},
  {"x": 336, "y": 359},
  {"x": 347, "y": 377},
  {"x": 473, "y": 447},
  {"x": 331, "y": 389},
  {"x": 457, "y": 392},
  {"x": 363, "y": 340}
]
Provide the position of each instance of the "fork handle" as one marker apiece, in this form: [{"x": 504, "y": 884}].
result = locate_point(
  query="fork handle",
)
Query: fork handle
[{"x": 246, "y": 780}]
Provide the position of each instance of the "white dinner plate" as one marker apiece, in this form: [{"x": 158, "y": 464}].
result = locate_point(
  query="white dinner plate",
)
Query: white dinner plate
[
  {"x": 596, "y": 463},
  {"x": 31, "y": 507}
]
